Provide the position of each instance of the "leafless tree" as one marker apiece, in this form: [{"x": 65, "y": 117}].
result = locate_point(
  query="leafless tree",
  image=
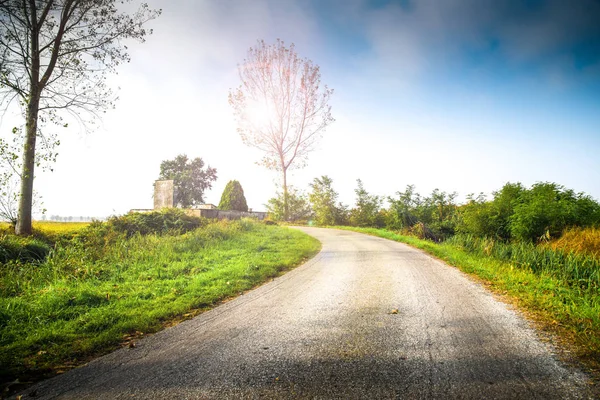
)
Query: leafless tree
[
  {"x": 55, "y": 55},
  {"x": 280, "y": 107}
]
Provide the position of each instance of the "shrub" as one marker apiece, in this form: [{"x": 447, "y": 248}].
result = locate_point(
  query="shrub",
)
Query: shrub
[
  {"x": 548, "y": 208},
  {"x": 233, "y": 197},
  {"x": 169, "y": 220},
  {"x": 298, "y": 206},
  {"x": 99, "y": 236}
]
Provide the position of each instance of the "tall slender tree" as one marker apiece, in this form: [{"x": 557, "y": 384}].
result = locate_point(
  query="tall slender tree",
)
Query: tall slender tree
[
  {"x": 55, "y": 55},
  {"x": 280, "y": 107}
]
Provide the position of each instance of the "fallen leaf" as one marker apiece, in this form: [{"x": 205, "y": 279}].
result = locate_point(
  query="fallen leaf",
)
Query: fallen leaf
[{"x": 394, "y": 311}]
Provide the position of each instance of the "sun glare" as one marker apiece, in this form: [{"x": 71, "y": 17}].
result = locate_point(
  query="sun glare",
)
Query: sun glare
[{"x": 260, "y": 114}]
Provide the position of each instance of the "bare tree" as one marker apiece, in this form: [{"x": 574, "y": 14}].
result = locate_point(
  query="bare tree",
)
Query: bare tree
[
  {"x": 55, "y": 55},
  {"x": 280, "y": 107}
]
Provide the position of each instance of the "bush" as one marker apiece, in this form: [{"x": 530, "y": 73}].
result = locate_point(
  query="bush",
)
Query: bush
[
  {"x": 547, "y": 209},
  {"x": 169, "y": 220},
  {"x": 99, "y": 236},
  {"x": 233, "y": 198},
  {"x": 298, "y": 206}
]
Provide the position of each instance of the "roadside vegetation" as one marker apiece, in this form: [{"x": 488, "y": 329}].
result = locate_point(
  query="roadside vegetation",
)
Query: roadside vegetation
[
  {"x": 538, "y": 245},
  {"x": 75, "y": 293}
]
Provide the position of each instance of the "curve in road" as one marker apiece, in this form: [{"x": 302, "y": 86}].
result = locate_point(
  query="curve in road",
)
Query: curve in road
[{"x": 366, "y": 318}]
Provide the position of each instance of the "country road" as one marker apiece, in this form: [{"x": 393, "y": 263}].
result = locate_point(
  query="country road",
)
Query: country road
[{"x": 366, "y": 318}]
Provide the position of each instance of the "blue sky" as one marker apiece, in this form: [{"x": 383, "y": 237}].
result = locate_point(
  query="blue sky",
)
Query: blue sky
[{"x": 461, "y": 95}]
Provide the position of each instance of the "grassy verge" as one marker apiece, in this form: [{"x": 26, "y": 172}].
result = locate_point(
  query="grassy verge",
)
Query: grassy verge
[
  {"x": 559, "y": 305},
  {"x": 78, "y": 303}
]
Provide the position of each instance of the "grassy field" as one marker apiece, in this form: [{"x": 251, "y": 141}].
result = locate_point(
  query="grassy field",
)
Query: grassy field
[
  {"x": 52, "y": 227},
  {"x": 561, "y": 291},
  {"x": 83, "y": 300}
]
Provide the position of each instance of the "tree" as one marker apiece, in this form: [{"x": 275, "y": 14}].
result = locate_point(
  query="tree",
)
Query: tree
[
  {"x": 190, "y": 179},
  {"x": 547, "y": 209},
  {"x": 280, "y": 107},
  {"x": 233, "y": 197},
  {"x": 55, "y": 55},
  {"x": 323, "y": 200},
  {"x": 366, "y": 212},
  {"x": 298, "y": 206},
  {"x": 403, "y": 210}
]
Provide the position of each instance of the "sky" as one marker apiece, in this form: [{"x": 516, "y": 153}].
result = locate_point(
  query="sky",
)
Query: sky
[{"x": 460, "y": 95}]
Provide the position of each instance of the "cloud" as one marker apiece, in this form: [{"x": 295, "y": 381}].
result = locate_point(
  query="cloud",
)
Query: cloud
[{"x": 417, "y": 38}]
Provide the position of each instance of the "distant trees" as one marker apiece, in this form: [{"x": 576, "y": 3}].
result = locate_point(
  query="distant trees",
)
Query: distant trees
[
  {"x": 431, "y": 216},
  {"x": 515, "y": 213},
  {"x": 233, "y": 197},
  {"x": 280, "y": 107},
  {"x": 55, "y": 55},
  {"x": 190, "y": 179}
]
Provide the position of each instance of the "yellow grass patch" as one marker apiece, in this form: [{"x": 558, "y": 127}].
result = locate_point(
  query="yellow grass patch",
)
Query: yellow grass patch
[{"x": 579, "y": 240}]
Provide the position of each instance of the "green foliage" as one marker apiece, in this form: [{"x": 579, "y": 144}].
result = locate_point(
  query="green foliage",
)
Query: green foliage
[
  {"x": 436, "y": 213},
  {"x": 233, "y": 197},
  {"x": 366, "y": 212},
  {"x": 23, "y": 249},
  {"x": 189, "y": 178},
  {"x": 298, "y": 206},
  {"x": 548, "y": 208},
  {"x": 324, "y": 204},
  {"x": 576, "y": 270},
  {"x": 477, "y": 217},
  {"x": 70, "y": 305},
  {"x": 517, "y": 213}
]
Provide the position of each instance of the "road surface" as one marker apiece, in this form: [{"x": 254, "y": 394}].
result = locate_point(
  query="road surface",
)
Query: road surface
[{"x": 366, "y": 318}]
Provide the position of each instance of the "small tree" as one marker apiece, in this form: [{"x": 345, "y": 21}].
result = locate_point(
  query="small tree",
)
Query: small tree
[
  {"x": 280, "y": 107},
  {"x": 55, "y": 55},
  {"x": 324, "y": 203},
  {"x": 233, "y": 197},
  {"x": 366, "y": 212},
  {"x": 298, "y": 206},
  {"x": 189, "y": 178}
]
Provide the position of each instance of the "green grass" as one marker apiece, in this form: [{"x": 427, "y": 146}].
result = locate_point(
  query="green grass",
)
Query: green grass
[
  {"x": 560, "y": 291},
  {"x": 77, "y": 303}
]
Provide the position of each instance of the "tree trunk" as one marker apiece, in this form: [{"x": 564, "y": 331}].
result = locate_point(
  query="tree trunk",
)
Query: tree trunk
[
  {"x": 286, "y": 211},
  {"x": 24, "y": 226}
]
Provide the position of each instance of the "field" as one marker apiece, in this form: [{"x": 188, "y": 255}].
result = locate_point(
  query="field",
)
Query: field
[
  {"x": 53, "y": 227},
  {"x": 96, "y": 292},
  {"x": 559, "y": 289}
]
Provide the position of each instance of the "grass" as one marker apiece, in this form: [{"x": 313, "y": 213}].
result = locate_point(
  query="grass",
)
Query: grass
[
  {"x": 79, "y": 303},
  {"x": 559, "y": 290},
  {"x": 579, "y": 240}
]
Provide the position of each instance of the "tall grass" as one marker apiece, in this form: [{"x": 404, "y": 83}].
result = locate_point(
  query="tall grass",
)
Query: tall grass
[
  {"x": 579, "y": 240},
  {"x": 88, "y": 294},
  {"x": 577, "y": 269}
]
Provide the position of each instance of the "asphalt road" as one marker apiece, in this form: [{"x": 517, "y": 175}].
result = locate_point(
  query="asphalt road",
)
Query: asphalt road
[{"x": 328, "y": 329}]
